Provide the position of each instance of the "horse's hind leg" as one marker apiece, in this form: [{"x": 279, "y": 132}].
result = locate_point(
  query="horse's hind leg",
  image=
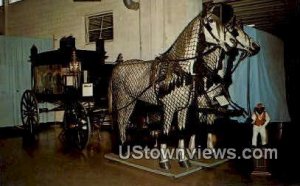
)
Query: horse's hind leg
[
  {"x": 123, "y": 119},
  {"x": 123, "y": 116}
]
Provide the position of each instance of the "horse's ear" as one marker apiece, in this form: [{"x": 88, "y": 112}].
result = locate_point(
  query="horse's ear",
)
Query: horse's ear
[
  {"x": 211, "y": 8},
  {"x": 216, "y": 10},
  {"x": 239, "y": 23},
  {"x": 234, "y": 20},
  {"x": 206, "y": 9},
  {"x": 227, "y": 13}
]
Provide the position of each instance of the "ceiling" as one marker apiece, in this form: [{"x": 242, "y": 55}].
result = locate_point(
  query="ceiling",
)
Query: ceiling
[{"x": 267, "y": 15}]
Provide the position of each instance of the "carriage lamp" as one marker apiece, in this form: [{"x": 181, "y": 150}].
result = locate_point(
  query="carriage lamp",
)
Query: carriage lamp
[
  {"x": 72, "y": 76},
  {"x": 75, "y": 65}
]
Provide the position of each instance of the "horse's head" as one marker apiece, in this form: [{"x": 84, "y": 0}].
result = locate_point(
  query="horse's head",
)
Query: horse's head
[
  {"x": 244, "y": 41},
  {"x": 215, "y": 32}
]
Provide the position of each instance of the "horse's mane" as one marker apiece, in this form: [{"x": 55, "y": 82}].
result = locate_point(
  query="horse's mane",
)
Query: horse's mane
[{"x": 185, "y": 46}]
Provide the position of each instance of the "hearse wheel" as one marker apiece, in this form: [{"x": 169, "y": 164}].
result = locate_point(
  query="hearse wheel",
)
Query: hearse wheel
[
  {"x": 76, "y": 125},
  {"x": 29, "y": 111}
]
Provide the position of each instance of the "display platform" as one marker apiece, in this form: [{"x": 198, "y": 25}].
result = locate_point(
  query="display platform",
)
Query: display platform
[
  {"x": 208, "y": 163},
  {"x": 152, "y": 165}
]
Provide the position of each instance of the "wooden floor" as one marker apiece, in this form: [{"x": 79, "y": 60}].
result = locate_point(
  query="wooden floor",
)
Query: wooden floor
[{"x": 45, "y": 161}]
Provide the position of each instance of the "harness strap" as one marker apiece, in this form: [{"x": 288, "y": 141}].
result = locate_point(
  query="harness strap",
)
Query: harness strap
[
  {"x": 242, "y": 57},
  {"x": 233, "y": 104},
  {"x": 140, "y": 94}
]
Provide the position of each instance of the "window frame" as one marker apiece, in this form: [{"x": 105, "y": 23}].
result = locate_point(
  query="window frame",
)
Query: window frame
[
  {"x": 99, "y": 15},
  {"x": 14, "y": 1}
]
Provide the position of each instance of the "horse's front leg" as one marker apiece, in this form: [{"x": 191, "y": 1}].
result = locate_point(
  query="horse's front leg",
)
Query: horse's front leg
[
  {"x": 164, "y": 162},
  {"x": 182, "y": 118},
  {"x": 183, "y": 160},
  {"x": 211, "y": 137}
]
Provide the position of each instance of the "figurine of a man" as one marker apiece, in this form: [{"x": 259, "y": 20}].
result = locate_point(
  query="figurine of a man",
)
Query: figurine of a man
[{"x": 260, "y": 119}]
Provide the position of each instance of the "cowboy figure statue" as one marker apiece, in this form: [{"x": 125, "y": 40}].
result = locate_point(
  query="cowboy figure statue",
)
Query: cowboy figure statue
[{"x": 260, "y": 119}]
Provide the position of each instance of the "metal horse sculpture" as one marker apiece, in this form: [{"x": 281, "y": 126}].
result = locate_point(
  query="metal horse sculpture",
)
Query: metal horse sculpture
[
  {"x": 169, "y": 80},
  {"x": 217, "y": 85}
]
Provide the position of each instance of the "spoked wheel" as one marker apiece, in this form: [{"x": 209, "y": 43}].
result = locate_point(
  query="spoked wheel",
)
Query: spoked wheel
[
  {"x": 77, "y": 126},
  {"x": 29, "y": 111}
]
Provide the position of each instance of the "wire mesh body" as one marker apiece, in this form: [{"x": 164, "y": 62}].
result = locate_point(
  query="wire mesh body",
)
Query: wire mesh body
[
  {"x": 131, "y": 82},
  {"x": 168, "y": 80}
]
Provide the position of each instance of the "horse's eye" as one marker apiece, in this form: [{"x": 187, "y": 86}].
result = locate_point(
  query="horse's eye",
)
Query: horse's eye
[
  {"x": 210, "y": 20},
  {"x": 234, "y": 33},
  {"x": 229, "y": 28}
]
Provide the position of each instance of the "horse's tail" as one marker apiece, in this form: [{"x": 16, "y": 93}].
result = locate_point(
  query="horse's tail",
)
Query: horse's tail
[{"x": 109, "y": 96}]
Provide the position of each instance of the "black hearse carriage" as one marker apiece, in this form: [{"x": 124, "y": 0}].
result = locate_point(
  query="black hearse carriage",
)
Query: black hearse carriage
[{"x": 76, "y": 82}]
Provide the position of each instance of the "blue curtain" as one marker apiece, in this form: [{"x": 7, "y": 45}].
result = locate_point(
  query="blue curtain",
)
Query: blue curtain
[
  {"x": 15, "y": 74},
  {"x": 266, "y": 77}
]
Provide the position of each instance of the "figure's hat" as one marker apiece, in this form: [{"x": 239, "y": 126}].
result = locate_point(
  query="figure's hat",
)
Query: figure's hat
[{"x": 259, "y": 105}]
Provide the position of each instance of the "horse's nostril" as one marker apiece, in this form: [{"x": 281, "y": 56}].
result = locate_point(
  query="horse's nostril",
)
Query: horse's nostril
[
  {"x": 256, "y": 46},
  {"x": 257, "y": 49}
]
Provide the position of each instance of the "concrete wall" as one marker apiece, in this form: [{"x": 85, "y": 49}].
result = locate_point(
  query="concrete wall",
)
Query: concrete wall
[
  {"x": 137, "y": 34},
  {"x": 162, "y": 21}
]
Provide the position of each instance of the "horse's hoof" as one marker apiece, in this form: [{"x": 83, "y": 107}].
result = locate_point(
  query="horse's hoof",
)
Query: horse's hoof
[
  {"x": 184, "y": 164},
  {"x": 165, "y": 165}
]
